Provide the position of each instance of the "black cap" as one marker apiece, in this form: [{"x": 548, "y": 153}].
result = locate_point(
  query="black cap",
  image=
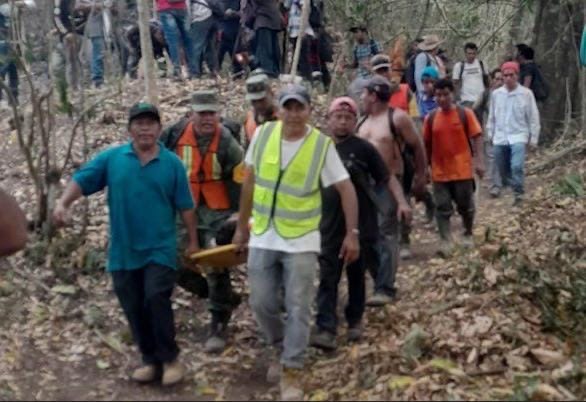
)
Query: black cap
[
  {"x": 380, "y": 85},
  {"x": 143, "y": 108},
  {"x": 294, "y": 92}
]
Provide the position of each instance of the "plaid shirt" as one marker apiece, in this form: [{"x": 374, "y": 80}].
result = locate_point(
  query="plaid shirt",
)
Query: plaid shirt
[
  {"x": 294, "y": 7},
  {"x": 363, "y": 52}
]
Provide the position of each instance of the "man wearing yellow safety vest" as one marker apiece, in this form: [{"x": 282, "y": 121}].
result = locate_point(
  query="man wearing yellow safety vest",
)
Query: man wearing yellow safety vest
[
  {"x": 287, "y": 162},
  {"x": 212, "y": 158}
]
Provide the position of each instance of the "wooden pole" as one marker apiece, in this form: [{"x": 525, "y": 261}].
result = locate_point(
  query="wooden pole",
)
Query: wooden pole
[
  {"x": 146, "y": 46},
  {"x": 306, "y": 7}
]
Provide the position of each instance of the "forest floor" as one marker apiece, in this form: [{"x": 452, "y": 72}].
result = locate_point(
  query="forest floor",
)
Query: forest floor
[{"x": 503, "y": 321}]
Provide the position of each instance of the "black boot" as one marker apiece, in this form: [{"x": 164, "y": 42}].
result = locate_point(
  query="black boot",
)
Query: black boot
[
  {"x": 447, "y": 243},
  {"x": 216, "y": 342}
]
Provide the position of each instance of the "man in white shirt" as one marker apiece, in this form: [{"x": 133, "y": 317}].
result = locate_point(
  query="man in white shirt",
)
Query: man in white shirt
[
  {"x": 513, "y": 122},
  {"x": 470, "y": 78},
  {"x": 288, "y": 161}
]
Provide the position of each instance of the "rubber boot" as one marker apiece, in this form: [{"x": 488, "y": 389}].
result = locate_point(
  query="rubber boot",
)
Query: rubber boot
[
  {"x": 447, "y": 242},
  {"x": 216, "y": 342},
  {"x": 468, "y": 221}
]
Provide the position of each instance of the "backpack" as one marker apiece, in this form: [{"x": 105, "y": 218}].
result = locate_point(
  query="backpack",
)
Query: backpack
[
  {"x": 485, "y": 78},
  {"x": 539, "y": 86},
  {"x": 410, "y": 73},
  {"x": 463, "y": 118}
]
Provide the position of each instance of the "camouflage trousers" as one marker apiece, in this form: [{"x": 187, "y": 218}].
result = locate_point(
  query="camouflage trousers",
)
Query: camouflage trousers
[{"x": 214, "y": 283}]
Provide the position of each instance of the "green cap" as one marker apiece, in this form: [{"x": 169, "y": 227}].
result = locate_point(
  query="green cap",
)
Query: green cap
[
  {"x": 205, "y": 101},
  {"x": 257, "y": 87},
  {"x": 143, "y": 108}
]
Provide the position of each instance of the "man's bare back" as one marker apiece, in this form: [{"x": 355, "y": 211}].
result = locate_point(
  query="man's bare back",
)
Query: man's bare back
[{"x": 376, "y": 130}]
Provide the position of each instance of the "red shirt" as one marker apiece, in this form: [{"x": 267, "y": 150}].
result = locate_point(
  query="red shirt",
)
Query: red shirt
[{"x": 163, "y": 5}]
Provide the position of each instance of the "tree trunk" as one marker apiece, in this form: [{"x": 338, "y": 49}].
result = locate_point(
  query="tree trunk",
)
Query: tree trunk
[
  {"x": 556, "y": 48},
  {"x": 146, "y": 46}
]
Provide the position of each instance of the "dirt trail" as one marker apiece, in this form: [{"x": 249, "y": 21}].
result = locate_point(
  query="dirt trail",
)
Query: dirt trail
[{"x": 55, "y": 354}]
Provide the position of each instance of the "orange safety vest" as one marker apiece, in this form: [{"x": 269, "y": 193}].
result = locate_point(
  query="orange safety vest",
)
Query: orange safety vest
[
  {"x": 400, "y": 99},
  {"x": 205, "y": 174}
]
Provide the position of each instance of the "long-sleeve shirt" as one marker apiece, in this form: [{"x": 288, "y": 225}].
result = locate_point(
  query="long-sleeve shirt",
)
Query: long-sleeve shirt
[{"x": 513, "y": 117}]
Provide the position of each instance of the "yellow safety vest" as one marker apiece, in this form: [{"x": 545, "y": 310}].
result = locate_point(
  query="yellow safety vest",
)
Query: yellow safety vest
[{"x": 291, "y": 197}]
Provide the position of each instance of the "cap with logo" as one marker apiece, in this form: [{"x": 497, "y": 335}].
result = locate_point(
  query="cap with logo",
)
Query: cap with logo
[
  {"x": 141, "y": 109},
  {"x": 294, "y": 92},
  {"x": 205, "y": 101},
  {"x": 257, "y": 87}
]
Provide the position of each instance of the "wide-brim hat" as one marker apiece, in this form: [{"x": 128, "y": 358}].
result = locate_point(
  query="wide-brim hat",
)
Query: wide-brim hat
[{"x": 430, "y": 42}]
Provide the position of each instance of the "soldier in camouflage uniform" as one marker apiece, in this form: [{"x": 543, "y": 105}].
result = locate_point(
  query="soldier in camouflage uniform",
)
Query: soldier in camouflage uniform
[{"x": 213, "y": 161}]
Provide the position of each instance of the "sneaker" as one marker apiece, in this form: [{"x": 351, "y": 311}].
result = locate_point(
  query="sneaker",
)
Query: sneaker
[
  {"x": 405, "y": 253},
  {"x": 291, "y": 388},
  {"x": 274, "y": 372},
  {"x": 354, "y": 333},
  {"x": 379, "y": 300},
  {"x": 323, "y": 340},
  {"x": 446, "y": 249},
  {"x": 145, "y": 374},
  {"x": 495, "y": 192},
  {"x": 216, "y": 343},
  {"x": 172, "y": 373}
]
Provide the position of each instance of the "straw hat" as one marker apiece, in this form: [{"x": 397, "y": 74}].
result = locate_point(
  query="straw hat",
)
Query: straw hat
[{"x": 430, "y": 42}]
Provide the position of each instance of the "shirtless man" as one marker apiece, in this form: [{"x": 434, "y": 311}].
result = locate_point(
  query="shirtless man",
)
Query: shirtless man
[{"x": 380, "y": 132}]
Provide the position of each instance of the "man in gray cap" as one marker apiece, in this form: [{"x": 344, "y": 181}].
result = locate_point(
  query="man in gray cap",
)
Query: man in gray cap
[
  {"x": 287, "y": 162},
  {"x": 260, "y": 95},
  {"x": 213, "y": 159}
]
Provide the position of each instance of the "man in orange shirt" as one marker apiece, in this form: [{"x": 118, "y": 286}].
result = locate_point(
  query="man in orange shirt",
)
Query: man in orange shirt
[{"x": 453, "y": 140}]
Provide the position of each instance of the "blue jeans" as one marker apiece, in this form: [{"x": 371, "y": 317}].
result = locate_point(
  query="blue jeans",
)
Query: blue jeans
[
  {"x": 496, "y": 182},
  {"x": 510, "y": 160},
  {"x": 388, "y": 247},
  {"x": 269, "y": 272},
  {"x": 176, "y": 28},
  {"x": 97, "y": 66},
  {"x": 204, "y": 46}
]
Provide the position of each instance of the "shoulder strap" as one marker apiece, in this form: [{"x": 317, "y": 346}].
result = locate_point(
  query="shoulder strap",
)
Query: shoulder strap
[
  {"x": 392, "y": 126},
  {"x": 464, "y": 119},
  {"x": 373, "y": 47},
  {"x": 462, "y": 70},
  {"x": 485, "y": 77},
  {"x": 361, "y": 122},
  {"x": 430, "y": 119}
]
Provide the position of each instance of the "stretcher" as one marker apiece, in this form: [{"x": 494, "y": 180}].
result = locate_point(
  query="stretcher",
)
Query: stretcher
[{"x": 219, "y": 257}]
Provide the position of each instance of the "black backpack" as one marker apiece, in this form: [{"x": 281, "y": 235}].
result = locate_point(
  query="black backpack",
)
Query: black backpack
[
  {"x": 410, "y": 73},
  {"x": 463, "y": 119},
  {"x": 539, "y": 86},
  {"x": 485, "y": 78},
  {"x": 315, "y": 14}
]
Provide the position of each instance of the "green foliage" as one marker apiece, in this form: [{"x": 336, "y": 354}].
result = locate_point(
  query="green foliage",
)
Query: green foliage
[{"x": 571, "y": 185}]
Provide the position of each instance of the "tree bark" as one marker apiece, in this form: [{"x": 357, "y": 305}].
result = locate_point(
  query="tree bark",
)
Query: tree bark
[{"x": 146, "y": 46}]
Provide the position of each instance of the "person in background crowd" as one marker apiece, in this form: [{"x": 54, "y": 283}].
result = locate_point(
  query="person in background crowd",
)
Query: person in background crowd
[
  {"x": 453, "y": 140},
  {"x": 8, "y": 50},
  {"x": 367, "y": 170},
  {"x": 427, "y": 58},
  {"x": 402, "y": 97},
  {"x": 426, "y": 100},
  {"x": 264, "y": 109},
  {"x": 69, "y": 25},
  {"x": 143, "y": 241},
  {"x": 230, "y": 26},
  {"x": 289, "y": 161},
  {"x": 513, "y": 123},
  {"x": 13, "y": 234},
  {"x": 471, "y": 79},
  {"x": 176, "y": 23},
  {"x": 530, "y": 74},
  {"x": 267, "y": 23},
  {"x": 204, "y": 28},
  {"x": 309, "y": 65},
  {"x": 364, "y": 49},
  {"x": 135, "y": 51}
]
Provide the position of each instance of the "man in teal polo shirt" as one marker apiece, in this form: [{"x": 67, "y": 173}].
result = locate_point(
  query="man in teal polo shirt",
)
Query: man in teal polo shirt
[{"x": 147, "y": 186}]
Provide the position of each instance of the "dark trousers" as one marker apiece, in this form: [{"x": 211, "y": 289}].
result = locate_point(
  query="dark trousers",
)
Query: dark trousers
[
  {"x": 330, "y": 272},
  {"x": 228, "y": 46},
  {"x": 385, "y": 271},
  {"x": 145, "y": 297},
  {"x": 459, "y": 192},
  {"x": 268, "y": 51},
  {"x": 8, "y": 67}
]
